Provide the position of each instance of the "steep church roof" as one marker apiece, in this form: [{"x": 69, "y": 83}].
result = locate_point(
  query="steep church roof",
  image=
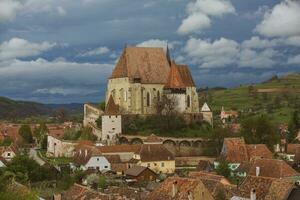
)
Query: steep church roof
[
  {"x": 174, "y": 80},
  {"x": 151, "y": 64},
  {"x": 111, "y": 108},
  {"x": 186, "y": 75}
]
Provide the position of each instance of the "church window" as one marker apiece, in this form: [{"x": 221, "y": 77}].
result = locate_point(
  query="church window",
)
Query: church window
[
  {"x": 125, "y": 95},
  {"x": 148, "y": 99},
  {"x": 158, "y": 95},
  {"x": 188, "y": 101}
]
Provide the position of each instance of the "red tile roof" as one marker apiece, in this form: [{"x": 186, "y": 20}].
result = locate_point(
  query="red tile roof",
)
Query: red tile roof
[
  {"x": 174, "y": 80},
  {"x": 272, "y": 168},
  {"x": 111, "y": 108},
  {"x": 154, "y": 152},
  {"x": 186, "y": 75},
  {"x": 151, "y": 64}
]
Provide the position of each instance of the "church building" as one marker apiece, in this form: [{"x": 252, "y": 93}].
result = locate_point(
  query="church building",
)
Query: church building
[{"x": 143, "y": 75}]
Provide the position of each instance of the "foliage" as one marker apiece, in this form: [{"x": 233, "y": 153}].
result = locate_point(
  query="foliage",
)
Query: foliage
[
  {"x": 294, "y": 126},
  {"x": 218, "y": 134},
  {"x": 102, "y": 182},
  {"x": 26, "y": 169},
  {"x": 102, "y": 105},
  {"x": 6, "y": 141},
  {"x": 223, "y": 168},
  {"x": 40, "y": 132},
  {"x": 87, "y": 134},
  {"x": 71, "y": 134},
  {"x": 25, "y": 132},
  {"x": 99, "y": 122},
  {"x": 259, "y": 130}
]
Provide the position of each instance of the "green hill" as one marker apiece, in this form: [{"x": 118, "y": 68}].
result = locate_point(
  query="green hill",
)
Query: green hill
[
  {"x": 11, "y": 109},
  {"x": 277, "y": 97}
]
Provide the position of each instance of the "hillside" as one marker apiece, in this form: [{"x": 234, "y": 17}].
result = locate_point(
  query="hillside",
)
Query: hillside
[
  {"x": 11, "y": 109},
  {"x": 277, "y": 97}
]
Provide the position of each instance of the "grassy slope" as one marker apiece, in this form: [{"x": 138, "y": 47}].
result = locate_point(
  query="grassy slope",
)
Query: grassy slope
[{"x": 239, "y": 98}]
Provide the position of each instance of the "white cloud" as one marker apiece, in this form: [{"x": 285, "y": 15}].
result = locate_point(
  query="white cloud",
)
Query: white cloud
[
  {"x": 20, "y": 48},
  {"x": 157, "y": 43},
  {"x": 251, "y": 58},
  {"x": 8, "y": 9},
  {"x": 294, "y": 60},
  {"x": 64, "y": 91},
  {"x": 283, "y": 20},
  {"x": 61, "y": 11},
  {"x": 218, "y": 53},
  {"x": 257, "y": 43},
  {"x": 294, "y": 41},
  {"x": 199, "y": 13},
  {"x": 95, "y": 52}
]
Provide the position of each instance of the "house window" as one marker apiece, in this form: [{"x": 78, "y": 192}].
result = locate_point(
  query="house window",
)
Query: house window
[
  {"x": 162, "y": 164},
  {"x": 148, "y": 99},
  {"x": 97, "y": 159},
  {"x": 8, "y": 154},
  {"x": 158, "y": 95},
  {"x": 188, "y": 101},
  {"x": 148, "y": 165},
  {"x": 105, "y": 167},
  {"x": 155, "y": 164}
]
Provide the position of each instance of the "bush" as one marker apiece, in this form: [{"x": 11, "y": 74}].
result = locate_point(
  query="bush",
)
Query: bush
[{"x": 25, "y": 132}]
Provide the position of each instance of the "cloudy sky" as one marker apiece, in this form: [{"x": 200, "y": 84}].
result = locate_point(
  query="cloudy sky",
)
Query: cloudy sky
[{"x": 60, "y": 51}]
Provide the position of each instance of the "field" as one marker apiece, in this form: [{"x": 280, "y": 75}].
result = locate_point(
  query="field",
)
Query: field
[{"x": 278, "y": 101}]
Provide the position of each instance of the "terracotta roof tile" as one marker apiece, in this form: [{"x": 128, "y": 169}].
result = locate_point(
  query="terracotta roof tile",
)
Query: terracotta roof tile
[
  {"x": 151, "y": 63},
  {"x": 111, "y": 108},
  {"x": 119, "y": 148},
  {"x": 174, "y": 80},
  {"x": 155, "y": 152},
  {"x": 258, "y": 151},
  {"x": 186, "y": 75},
  {"x": 293, "y": 148},
  {"x": 272, "y": 168},
  {"x": 136, "y": 170},
  {"x": 153, "y": 139}
]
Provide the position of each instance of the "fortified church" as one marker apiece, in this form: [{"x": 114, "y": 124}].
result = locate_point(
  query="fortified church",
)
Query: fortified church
[{"x": 142, "y": 77}]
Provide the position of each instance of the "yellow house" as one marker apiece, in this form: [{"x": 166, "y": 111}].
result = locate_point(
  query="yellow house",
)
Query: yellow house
[{"x": 156, "y": 157}]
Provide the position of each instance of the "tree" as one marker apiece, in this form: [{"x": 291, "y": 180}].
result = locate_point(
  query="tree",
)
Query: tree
[
  {"x": 294, "y": 126},
  {"x": 40, "y": 132},
  {"x": 260, "y": 130},
  {"x": 61, "y": 115},
  {"x": 102, "y": 105},
  {"x": 99, "y": 122},
  {"x": 223, "y": 169},
  {"x": 87, "y": 134},
  {"x": 25, "y": 132},
  {"x": 71, "y": 134}
]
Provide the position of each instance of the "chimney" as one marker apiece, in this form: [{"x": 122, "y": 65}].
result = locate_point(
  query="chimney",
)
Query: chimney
[
  {"x": 86, "y": 152},
  {"x": 257, "y": 171},
  {"x": 253, "y": 194},
  {"x": 174, "y": 189}
]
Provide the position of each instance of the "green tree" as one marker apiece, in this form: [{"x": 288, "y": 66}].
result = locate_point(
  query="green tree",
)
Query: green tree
[
  {"x": 99, "y": 122},
  {"x": 87, "y": 134},
  {"x": 102, "y": 105},
  {"x": 223, "y": 169},
  {"x": 102, "y": 182},
  {"x": 260, "y": 130},
  {"x": 71, "y": 134},
  {"x": 40, "y": 132},
  {"x": 25, "y": 132},
  {"x": 6, "y": 142},
  {"x": 294, "y": 126}
]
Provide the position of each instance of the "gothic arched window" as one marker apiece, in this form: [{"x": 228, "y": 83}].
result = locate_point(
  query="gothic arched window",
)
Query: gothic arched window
[
  {"x": 148, "y": 99},
  {"x": 188, "y": 101}
]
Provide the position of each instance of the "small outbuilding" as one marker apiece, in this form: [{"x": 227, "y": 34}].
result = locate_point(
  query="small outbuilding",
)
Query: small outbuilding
[{"x": 140, "y": 174}]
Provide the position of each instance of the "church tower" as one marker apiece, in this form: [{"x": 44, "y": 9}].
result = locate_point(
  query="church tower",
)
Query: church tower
[
  {"x": 111, "y": 122},
  {"x": 175, "y": 88}
]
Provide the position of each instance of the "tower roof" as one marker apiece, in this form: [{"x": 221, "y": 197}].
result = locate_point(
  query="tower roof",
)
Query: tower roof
[
  {"x": 111, "y": 108},
  {"x": 174, "y": 80}
]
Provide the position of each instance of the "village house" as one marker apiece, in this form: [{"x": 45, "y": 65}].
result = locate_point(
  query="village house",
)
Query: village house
[
  {"x": 3, "y": 162},
  {"x": 215, "y": 184},
  {"x": 228, "y": 116},
  {"x": 8, "y": 152},
  {"x": 57, "y": 146},
  {"x": 177, "y": 188},
  {"x": 264, "y": 188},
  {"x": 235, "y": 151},
  {"x": 140, "y": 174},
  {"x": 272, "y": 168},
  {"x": 89, "y": 157}
]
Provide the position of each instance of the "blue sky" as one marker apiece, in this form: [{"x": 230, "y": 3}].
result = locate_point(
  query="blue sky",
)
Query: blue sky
[{"x": 61, "y": 51}]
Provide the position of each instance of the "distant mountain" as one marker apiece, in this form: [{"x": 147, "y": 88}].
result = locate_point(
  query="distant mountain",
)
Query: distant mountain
[
  {"x": 276, "y": 97},
  {"x": 11, "y": 109}
]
